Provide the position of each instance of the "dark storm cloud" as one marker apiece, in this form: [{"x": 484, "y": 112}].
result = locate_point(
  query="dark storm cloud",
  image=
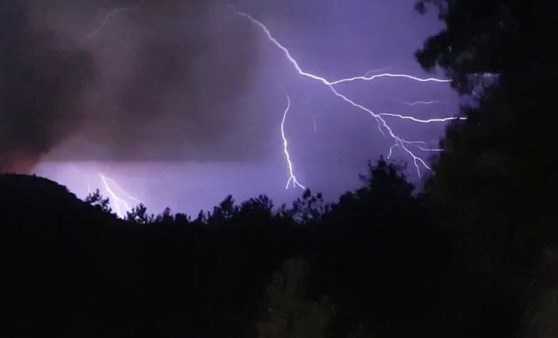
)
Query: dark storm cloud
[
  {"x": 170, "y": 75},
  {"x": 159, "y": 81},
  {"x": 173, "y": 81},
  {"x": 40, "y": 85}
]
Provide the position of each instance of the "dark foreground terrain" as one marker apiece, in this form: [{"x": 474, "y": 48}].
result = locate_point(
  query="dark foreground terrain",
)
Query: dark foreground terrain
[{"x": 375, "y": 263}]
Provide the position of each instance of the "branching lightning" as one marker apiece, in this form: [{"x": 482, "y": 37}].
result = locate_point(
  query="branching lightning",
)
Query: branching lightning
[
  {"x": 421, "y": 145},
  {"x": 383, "y": 126},
  {"x": 292, "y": 178},
  {"x": 122, "y": 199},
  {"x": 121, "y": 205}
]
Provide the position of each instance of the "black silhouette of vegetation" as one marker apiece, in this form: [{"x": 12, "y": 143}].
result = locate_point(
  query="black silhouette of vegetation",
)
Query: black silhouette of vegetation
[
  {"x": 473, "y": 253},
  {"x": 74, "y": 269},
  {"x": 494, "y": 184}
]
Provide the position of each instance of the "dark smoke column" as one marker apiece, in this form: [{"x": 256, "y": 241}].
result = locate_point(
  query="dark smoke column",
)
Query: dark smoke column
[{"x": 41, "y": 82}]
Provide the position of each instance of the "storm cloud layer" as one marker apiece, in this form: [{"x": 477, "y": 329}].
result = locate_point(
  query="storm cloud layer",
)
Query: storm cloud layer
[
  {"x": 41, "y": 82},
  {"x": 187, "y": 98},
  {"x": 156, "y": 80}
]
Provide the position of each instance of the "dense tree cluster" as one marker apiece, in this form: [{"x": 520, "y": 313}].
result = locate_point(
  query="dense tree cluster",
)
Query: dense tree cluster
[
  {"x": 473, "y": 253},
  {"x": 493, "y": 185},
  {"x": 364, "y": 264}
]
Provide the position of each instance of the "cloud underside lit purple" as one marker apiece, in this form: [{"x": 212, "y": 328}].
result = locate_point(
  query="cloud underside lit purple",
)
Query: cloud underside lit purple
[{"x": 188, "y": 104}]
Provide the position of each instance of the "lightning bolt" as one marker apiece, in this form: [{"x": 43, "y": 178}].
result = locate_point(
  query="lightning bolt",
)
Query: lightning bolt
[
  {"x": 292, "y": 178},
  {"x": 417, "y": 120},
  {"x": 314, "y": 121},
  {"x": 417, "y": 103},
  {"x": 383, "y": 126},
  {"x": 109, "y": 15},
  {"x": 389, "y": 75},
  {"x": 424, "y": 146},
  {"x": 120, "y": 204},
  {"x": 391, "y": 150},
  {"x": 421, "y": 145},
  {"x": 372, "y": 71},
  {"x": 431, "y": 150}
]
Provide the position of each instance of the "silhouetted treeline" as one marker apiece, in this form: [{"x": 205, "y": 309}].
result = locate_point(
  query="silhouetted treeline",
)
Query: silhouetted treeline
[{"x": 76, "y": 270}]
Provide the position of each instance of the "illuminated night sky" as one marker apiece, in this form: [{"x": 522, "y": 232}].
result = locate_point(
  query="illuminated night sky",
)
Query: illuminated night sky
[{"x": 188, "y": 101}]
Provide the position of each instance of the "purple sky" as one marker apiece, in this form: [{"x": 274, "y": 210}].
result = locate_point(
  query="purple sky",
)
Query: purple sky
[{"x": 232, "y": 143}]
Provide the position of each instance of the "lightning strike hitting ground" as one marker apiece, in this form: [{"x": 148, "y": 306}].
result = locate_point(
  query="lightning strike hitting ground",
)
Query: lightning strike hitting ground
[
  {"x": 383, "y": 126},
  {"x": 292, "y": 178},
  {"x": 121, "y": 206}
]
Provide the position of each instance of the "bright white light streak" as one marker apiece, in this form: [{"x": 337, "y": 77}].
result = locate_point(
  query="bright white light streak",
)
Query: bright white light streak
[
  {"x": 424, "y": 103},
  {"x": 418, "y": 120},
  {"x": 382, "y": 124},
  {"x": 292, "y": 177},
  {"x": 120, "y": 204},
  {"x": 391, "y": 150},
  {"x": 388, "y": 75},
  {"x": 424, "y": 146}
]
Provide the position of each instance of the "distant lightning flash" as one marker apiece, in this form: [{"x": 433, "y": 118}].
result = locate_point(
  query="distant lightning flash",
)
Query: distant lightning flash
[
  {"x": 315, "y": 123},
  {"x": 383, "y": 126},
  {"x": 120, "y": 204},
  {"x": 110, "y": 14},
  {"x": 292, "y": 178}
]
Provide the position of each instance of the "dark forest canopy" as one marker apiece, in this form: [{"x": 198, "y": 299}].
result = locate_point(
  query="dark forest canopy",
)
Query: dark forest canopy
[
  {"x": 493, "y": 183},
  {"x": 474, "y": 254},
  {"x": 81, "y": 267}
]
